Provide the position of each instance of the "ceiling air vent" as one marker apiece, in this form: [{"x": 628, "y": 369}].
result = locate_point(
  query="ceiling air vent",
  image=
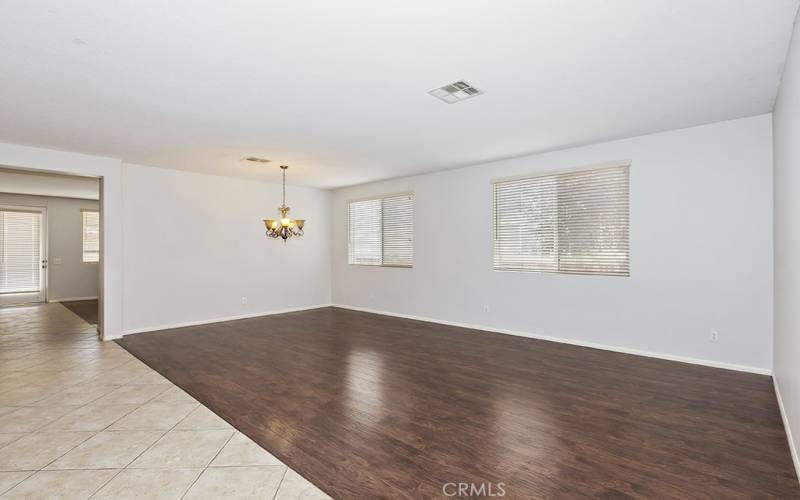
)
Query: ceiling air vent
[
  {"x": 255, "y": 159},
  {"x": 455, "y": 92}
]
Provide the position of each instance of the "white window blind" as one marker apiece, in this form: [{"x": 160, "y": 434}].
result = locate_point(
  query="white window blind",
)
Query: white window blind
[
  {"x": 381, "y": 231},
  {"x": 91, "y": 235},
  {"x": 573, "y": 222},
  {"x": 20, "y": 251}
]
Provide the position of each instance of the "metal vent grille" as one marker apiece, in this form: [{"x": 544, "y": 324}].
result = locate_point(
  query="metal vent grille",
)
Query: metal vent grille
[
  {"x": 255, "y": 159},
  {"x": 455, "y": 92}
]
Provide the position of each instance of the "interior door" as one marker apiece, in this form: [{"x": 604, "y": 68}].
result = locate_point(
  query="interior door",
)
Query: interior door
[{"x": 23, "y": 255}]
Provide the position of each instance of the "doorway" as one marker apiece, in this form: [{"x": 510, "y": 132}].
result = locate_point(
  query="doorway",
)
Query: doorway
[
  {"x": 23, "y": 255},
  {"x": 50, "y": 241}
]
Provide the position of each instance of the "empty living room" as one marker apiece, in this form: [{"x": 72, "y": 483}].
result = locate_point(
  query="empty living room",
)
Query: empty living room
[{"x": 541, "y": 249}]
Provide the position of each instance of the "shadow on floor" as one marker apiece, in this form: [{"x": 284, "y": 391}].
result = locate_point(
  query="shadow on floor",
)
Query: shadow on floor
[{"x": 86, "y": 309}]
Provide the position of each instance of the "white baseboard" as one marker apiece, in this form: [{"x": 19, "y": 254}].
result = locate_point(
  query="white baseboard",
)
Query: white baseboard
[
  {"x": 156, "y": 328},
  {"x": 637, "y": 352},
  {"x": 792, "y": 448},
  {"x": 70, "y": 299}
]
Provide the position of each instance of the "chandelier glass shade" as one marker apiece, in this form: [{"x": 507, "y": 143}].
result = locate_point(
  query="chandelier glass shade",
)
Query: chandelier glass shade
[{"x": 284, "y": 227}]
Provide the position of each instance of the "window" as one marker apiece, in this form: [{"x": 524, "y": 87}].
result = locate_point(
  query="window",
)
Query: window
[
  {"x": 381, "y": 231},
  {"x": 572, "y": 222},
  {"x": 91, "y": 235}
]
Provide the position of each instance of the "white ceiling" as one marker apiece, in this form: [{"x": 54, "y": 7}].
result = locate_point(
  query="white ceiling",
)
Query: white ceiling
[{"x": 337, "y": 89}]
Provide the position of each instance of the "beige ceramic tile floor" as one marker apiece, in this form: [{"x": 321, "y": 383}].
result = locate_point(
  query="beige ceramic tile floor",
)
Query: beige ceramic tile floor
[{"x": 81, "y": 418}]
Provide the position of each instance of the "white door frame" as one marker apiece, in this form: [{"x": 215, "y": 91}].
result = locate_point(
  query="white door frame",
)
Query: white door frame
[
  {"x": 41, "y": 295},
  {"x": 109, "y": 171},
  {"x": 44, "y": 253}
]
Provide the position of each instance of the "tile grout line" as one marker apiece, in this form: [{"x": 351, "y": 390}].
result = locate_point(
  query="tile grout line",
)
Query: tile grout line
[
  {"x": 78, "y": 444},
  {"x": 93, "y": 433},
  {"x": 68, "y": 385},
  {"x": 119, "y": 471},
  {"x": 280, "y": 483},
  {"x": 235, "y": 429},
  {"x": 210, "y": 461},
  {"x": 23, "y": 434},
  {"x": 143, "y": 451},
  {"x": 75, "y": 364},
  {"x": 77, "y": 408},
  {"x": 157, "y": 439},
  {"x": 3, "y": 492},
  {"x": 73, "y": 469}
]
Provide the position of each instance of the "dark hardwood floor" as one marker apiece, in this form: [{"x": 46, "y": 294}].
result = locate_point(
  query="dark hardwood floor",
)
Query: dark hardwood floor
[
  {"x": 86, "y": 309},
  {"x": 370, "y": 406}
]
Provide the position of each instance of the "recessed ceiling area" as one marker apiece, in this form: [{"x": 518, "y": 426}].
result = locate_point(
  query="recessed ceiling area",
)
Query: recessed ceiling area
[{"x": 339, "y": 90}]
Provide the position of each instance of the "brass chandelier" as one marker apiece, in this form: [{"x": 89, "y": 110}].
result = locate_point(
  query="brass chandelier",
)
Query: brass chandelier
[{"x": 284, "y": 227}]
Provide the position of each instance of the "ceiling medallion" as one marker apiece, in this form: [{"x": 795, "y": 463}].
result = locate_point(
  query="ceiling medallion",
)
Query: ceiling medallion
[{"x": 284, "y": 227}]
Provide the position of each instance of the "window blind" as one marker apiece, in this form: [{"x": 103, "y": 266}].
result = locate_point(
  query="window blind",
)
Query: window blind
[
  {"x": 91, "y": 235},
  {"x": 20, "y": 251},
  {"x": 572, "y": 222},
  {"x": 381, "y": 231}
]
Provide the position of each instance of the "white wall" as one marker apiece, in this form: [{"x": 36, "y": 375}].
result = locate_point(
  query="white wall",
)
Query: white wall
[
  {"x": 701, "y": 251},
  {"x": 786, "y": 124},
  {"x": 70, "y": 278},
  {"x": 195, "y": 245}
]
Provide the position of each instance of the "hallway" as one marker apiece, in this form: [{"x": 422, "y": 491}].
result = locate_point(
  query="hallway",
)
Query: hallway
[{"x": 84, "y": 418}]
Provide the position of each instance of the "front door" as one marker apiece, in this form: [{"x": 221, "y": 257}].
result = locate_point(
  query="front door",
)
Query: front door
[{"x": 23, "y": 255}]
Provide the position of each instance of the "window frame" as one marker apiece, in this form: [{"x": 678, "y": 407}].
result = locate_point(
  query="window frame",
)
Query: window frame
[
  {"x": 553, "y": 172},
  {"x": 413, "y": 226},
  {"x": 83, "y": 235}
]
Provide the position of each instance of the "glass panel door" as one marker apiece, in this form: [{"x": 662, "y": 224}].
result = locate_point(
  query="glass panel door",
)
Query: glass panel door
[{"x": 23, "y": 259}]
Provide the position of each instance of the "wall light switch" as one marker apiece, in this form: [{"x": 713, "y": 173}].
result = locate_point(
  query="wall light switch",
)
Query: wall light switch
[{"x": 56, "y": 261}]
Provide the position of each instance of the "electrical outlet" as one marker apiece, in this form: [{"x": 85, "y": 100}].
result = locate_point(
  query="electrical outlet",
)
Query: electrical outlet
[
  {"x": 714, "y": 336},
  {"x": 486, "y": 308},
  {"x": 244, "y": 300}
]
